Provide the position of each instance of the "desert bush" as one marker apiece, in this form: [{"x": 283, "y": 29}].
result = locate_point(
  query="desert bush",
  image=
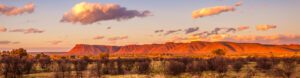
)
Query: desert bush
[
  {"x": 197, "y": 66},
  {"x": 174, "y": 68},
  {"x": 15, "y": 63},
  {"x": 264, "y": 64},
  {"x": 250, "y": 73},
  {"x": 143, "y": 67},
  {"x": 127, "y": 66},
  {"x": 62, "y": 68},
  {"x": 237, "y": 65},
  {"x": 80, "y": 65},
  {"x": 119, "y": 62},
  {"x": 218, "y": 64},
  {"x": 157, "y": 66},
  {"x": 219, "y": 52},
  {"x": 285, "y": 69},
  {"x": 96, "y": 69},
  {"x": 11, "y": 67},
  {"x": 44, "y": 61}
]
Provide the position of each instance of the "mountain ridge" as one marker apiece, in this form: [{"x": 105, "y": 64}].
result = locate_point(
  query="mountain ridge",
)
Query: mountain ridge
[{"x": 196, "y": 47}]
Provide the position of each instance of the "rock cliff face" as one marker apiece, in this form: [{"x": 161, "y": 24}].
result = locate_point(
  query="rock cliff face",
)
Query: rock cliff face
[{"x": 183, "y": 48}]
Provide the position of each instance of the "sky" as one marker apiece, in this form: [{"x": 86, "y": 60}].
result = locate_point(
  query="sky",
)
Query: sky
[{"x": 58, "y": 25}]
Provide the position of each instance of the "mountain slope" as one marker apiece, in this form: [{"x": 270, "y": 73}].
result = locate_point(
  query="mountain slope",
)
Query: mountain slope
[{"x": 197, "y": 47}]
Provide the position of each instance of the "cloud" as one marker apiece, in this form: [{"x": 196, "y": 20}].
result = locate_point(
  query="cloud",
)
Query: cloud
[
  {"x": 117, "y": 38},
  {"x": 88, "y": 13},
  {"x": 3, "y": 29},
  {"x": 55, "y": 42},
  {"x": 98, "y": 37},
  {"x": 5, "y": 42},
  {"x": 211, "y": 11},
  {"x": 267, "y": 39},
  {"x": 11, "y": 10},
  {"x": 264, "y": 39},
  {"x": 241, "y": 28},
  {"x": 191, "y": 30},
  {"x": 265, "y": 27},
  {"x": 108, "y": 28},
  {"x": 159, "y": 31},
  {"x": 27, "y": 31},
  {"x": 8, "y": 42},
  {"x": 172, "y": 31},
  {"x": 16, "y": 42},
  {"x": 216, "y": 31},
  {"x": 214, "y": 10},
  {"x": 223, "y": 30},
  {"x": 203, "y": 33},
  {"x": 238, "y": 3}
]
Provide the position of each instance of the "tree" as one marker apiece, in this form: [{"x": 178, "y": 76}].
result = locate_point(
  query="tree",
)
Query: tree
[
  {"x": 218, "y": 64},
  {"x": 174, "y": 68},
  {"x": 237, "y": 65},
  {"x": 80, "y": 65},
  {"x": 44, "y": 61},
  {"x": 20, "y": 52},
  {"x": 285, "y": 69},
  {"x": 197, "y": 66},
  {"x": 219, "y": 52}
]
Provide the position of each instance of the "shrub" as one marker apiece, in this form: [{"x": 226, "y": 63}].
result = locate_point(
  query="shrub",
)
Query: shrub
[
  {"x": 79, "y": 66},
  {"x": 128, "y": 66},
  {"x": 237, "y": 65},
  {"x": 285, "y": 69},
  {"x": 143, "y": 67},
  {"x": 174, "y": 68},
  {"x": 218, "y": 64},
  {"x": 157, "y": 66},
  {"x": 196, "y": 67},
  {"x": 219, "y": 52},
  {"x": 62, "y": 68},
  {"x": 264, "y": 64},
  {"x": 96, "y": 69}
]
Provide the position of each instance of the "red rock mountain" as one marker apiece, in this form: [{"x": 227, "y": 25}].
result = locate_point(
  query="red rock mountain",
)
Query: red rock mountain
[{"x": 197, "y": 47}]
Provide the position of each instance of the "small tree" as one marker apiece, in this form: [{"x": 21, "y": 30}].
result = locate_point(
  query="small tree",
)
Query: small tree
[
  {"x": 237, "y": 66},
  {"x": 264, "y": 64},
  {"x": 79, "y": 66},
  {"x": 219, "y": 52},
  {"x": 196, "y": 67},
  {"x": 44, "y": 61},
  {"x": 174, "y": 68},
  {"x": 218, "y": 64},
  {"x": 143, "y": 67},
  {"x": 20, "y": 52},
  {"x": 96, "y": 69},
  {"x": 285, "y": 69}
]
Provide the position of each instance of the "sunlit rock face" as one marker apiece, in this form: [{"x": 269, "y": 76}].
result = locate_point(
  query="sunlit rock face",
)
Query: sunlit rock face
[{"x": 185, "y": 48}]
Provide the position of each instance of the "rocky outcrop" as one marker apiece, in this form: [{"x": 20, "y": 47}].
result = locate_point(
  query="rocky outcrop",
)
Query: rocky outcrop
[{"x": 197, "y": 47}]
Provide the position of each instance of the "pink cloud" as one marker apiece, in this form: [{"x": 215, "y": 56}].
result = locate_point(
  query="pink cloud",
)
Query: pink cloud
[
  {"x": 241, "y": 28},
  {"x": 117, "y": 38},
  {"x": 211, "y": 11},
  {"x": 265, "y": 39},
  {"x": 8, "y": 42},
  {"x": 265, "y": 27},
  {"x": 27, "y": 31},
  {"x": 172, "y": 31},
  {"x": 214, "y": 10},
  {"x": 11, "y": 10},
  {"x": 98, "y": 37},
  {"x": 88, "y": 13},
  {"x": 3, "y": 29},
  {"x": 55, "y": 42}
]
